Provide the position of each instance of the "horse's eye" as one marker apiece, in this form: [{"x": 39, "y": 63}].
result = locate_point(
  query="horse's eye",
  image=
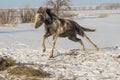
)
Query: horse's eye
[{"x": 40, "y": 16}]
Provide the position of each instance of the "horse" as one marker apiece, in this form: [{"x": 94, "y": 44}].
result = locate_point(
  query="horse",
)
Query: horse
[{"x": 59, "y": 27}]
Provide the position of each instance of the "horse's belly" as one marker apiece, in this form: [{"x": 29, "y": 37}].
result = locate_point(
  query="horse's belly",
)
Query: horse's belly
[{"x": 65, "y": 34}]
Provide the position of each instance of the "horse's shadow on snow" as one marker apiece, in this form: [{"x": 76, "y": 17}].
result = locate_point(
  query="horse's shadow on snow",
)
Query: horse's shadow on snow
[
  {"x": 75, "y": 52},
  {"x": 69, "y": 53}
]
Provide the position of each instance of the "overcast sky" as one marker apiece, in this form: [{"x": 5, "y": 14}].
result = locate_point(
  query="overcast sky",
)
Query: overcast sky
[{"x": 37, "y": 3}]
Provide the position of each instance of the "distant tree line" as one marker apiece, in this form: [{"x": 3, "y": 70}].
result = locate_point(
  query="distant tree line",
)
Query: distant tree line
[
  {"x": 7, "y": 16},
  {"x": 26, "y": 15},
  {"x": 107, "y": 6},
  {"x": 23, "y": 15}
]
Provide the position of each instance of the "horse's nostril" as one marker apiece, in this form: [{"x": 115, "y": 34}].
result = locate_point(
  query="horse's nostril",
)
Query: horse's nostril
[{"x": 36, "y": 27}]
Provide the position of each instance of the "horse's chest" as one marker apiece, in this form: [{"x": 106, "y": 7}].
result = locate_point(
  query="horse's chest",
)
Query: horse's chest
[{"x": 51, "y": 29}]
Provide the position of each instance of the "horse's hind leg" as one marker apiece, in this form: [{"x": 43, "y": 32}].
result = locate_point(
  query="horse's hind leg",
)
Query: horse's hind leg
[
  {"x": 75, "y": 39},
  {"x": 85, "y": 36},
  {"x": 43, "y": 41}
]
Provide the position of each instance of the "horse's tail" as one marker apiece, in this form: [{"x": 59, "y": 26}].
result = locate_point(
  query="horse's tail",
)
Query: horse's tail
[
  {"x": 80, "y": 30},
  {"x": 87, "y": 29},
  {"x": 79, "y": 27}
]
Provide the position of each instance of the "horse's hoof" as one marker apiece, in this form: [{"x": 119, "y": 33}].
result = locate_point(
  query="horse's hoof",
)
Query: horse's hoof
[
  {"x": 83, "y": 50},
  {"x": 97, "y": 49},
  {"x": 43, "y": 50},
  {"x": 51, "y": 56}
]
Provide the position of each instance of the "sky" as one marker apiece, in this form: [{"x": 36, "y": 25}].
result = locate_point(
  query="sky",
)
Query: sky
[{"x": 37, "y": 3}]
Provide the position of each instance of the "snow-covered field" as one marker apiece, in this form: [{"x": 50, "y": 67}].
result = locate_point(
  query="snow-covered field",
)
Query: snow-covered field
[{"x": 23, "y": 43}]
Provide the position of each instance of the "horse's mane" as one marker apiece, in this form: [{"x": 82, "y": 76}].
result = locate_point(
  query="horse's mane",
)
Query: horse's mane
[{"x": 52, "y": 15}]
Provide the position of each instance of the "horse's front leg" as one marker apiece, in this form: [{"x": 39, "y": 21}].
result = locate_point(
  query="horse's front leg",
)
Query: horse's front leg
[
  {"x": 43, "y": 41},
  {"x": 53, "y": 45}
]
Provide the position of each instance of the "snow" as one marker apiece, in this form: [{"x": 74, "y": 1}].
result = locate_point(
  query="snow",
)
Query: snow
[{"x": 23, "y": 43}]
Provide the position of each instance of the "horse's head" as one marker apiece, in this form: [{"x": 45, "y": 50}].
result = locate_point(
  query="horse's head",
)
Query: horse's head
[{"x": 41, "y": 17}]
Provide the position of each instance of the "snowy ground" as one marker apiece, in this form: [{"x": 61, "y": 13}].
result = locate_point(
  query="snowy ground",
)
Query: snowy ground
[{"x": 23, "y": 43}]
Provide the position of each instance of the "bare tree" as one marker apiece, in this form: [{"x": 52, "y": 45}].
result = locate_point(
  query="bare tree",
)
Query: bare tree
[{"x": 58, "y": 4}]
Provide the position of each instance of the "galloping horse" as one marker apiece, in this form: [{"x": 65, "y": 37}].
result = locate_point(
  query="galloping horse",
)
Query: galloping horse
[{"x": 58, "y": 27}]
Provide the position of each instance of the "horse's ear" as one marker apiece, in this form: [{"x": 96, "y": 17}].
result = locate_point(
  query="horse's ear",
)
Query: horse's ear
[
  {"x": 40, "y": 10},
  {"x": 49, "y": 11}
]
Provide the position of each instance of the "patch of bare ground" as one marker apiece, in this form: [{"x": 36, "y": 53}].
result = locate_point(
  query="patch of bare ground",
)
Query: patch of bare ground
[
  {"x": 6, "y": 62},
  {"x": 103, "y": 15},
  {"x": 27, "y": 71},
  {"x": 21, "y": 72}
]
